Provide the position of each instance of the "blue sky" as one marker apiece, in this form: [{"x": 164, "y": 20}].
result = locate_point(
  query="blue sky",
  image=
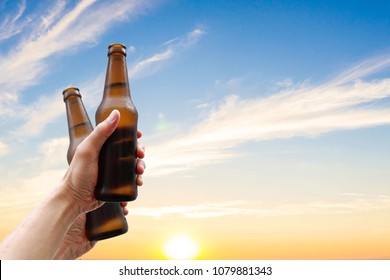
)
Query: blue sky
[{"x": 254, "y": 108}]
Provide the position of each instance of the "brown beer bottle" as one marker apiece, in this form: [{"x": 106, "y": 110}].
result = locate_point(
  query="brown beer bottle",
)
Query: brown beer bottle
[
  {"x": 117, "y": 160},
  {"x": 108, "y": 220}
]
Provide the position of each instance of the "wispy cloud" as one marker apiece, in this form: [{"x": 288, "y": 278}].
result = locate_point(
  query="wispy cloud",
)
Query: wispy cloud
[
  {"x": 11, "y": 24},
  {"x": 53, "y": 105},
  {"x": 19, "y": 195},
  {"x": 54, "y": 35},
  {"x": 304, "y": 110},
  {"x": 52, "y": 15},
  {"x": 358, "y": 203},
  {"x": 3, "y": 149},
  {"x": 36, "y": 120},
  {"x": 22, "y": 188},
  {"x": 362, "y": 69},
  {"x": 150, "y": 65},
  {"x": 51, "y": 151}
]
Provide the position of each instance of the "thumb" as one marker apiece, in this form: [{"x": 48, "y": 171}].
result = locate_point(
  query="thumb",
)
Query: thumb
[{"x": 103, "y": 130}]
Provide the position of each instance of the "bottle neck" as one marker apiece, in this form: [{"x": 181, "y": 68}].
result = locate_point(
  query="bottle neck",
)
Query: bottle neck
[
  {"x": 117, "y": 82},
  {"x": 79, "y": 124}
]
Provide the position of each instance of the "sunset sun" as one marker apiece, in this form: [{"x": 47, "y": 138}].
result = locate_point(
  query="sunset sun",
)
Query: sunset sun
[{"x": 181, "y": 247}]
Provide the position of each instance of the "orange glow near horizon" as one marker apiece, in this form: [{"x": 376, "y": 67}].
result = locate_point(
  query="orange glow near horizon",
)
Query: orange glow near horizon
[
  {"x": 272, "y": 238},
  {"x": 308, "y": 236}
]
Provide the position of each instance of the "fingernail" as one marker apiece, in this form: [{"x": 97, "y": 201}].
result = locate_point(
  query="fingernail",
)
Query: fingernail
[{"x": 112, "y": 117}]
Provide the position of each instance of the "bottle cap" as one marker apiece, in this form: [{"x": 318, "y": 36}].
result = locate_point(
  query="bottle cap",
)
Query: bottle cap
[
  {"x": 71, "y": 91},
  {"x": 116, "y": 48}
]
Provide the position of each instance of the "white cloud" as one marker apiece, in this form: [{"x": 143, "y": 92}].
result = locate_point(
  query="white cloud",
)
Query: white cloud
[
  {"x": 343, "y": 103},
  {"x": 52, "y": 15},
  {"x": 53, "y": 105},
  {"x": 349, "y": 204},
  {"x": 150, "y": 65},
  {"x": 231, "y": 83},
  {"x": 11, "y": 25},
  {"x": 36, "y": 121},
  {"x": 362, "y": 69},
  {"x": 19, "y": 199},
  {"x": 41, "y": 113},
  {"x": 53, "y": 152},
  {"x": 53, "y": 34},
  {"x": 142, "y": 67},
  {"x": 3, "y": 149},
  {"x": 27, "y": 62}
]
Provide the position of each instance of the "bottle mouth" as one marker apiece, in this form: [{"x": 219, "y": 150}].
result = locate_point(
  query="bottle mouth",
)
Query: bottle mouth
[
  {"x": 117, "y": 48},
  {"x": 71, "y": 91}
]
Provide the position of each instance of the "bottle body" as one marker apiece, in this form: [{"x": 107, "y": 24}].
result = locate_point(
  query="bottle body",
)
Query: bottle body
[
  {"x": 105, "y": 222},
  {"x": 108, "y": 220},
  {"x": 118, "y": 157}
]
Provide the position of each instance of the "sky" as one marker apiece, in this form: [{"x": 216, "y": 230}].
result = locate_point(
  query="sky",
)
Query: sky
[{"x": 266, "y": 123}]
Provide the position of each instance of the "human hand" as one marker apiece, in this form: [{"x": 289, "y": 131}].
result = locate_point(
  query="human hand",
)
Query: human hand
[
  {"x": 81, "y": 177},
  {"x": 75, "y": 243}
]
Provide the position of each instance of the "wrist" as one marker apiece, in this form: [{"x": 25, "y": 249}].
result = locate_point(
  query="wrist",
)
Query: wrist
[{"x": 66, "y": 202}]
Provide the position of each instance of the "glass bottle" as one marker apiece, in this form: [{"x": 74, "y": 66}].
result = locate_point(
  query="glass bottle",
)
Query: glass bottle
[
  {"x": 117, "y": 159},
  {"x": 108, "y": 220}
]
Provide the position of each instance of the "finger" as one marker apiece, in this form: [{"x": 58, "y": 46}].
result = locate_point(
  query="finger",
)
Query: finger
[
  {"x": 140, "y": 150},
  {"x": 139, "y": 134},
  {"x": 140, "y": 181},
  {"x": 124, "y": 209},
  {"x": 140, "y": 167},
  {"x": 103, "y": 130}
]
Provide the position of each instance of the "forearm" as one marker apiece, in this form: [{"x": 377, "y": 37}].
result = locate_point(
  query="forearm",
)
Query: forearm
[{"x": 41, "y": 233}]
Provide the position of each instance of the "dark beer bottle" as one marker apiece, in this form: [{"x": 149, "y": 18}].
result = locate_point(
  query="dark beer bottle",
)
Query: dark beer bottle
[
  {"x": 108, "y": 220},
  {"x": 117, "y": 160}
]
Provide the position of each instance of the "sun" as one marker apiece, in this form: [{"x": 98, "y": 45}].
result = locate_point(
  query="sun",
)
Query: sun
[{"x": 181, "y": 247}]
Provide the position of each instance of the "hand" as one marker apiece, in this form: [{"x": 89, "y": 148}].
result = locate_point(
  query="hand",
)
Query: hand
[
  {"x": 75, "y": 243},
  {"x": 79, "y": 188},
  {"x": 55, "y": 228}
]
